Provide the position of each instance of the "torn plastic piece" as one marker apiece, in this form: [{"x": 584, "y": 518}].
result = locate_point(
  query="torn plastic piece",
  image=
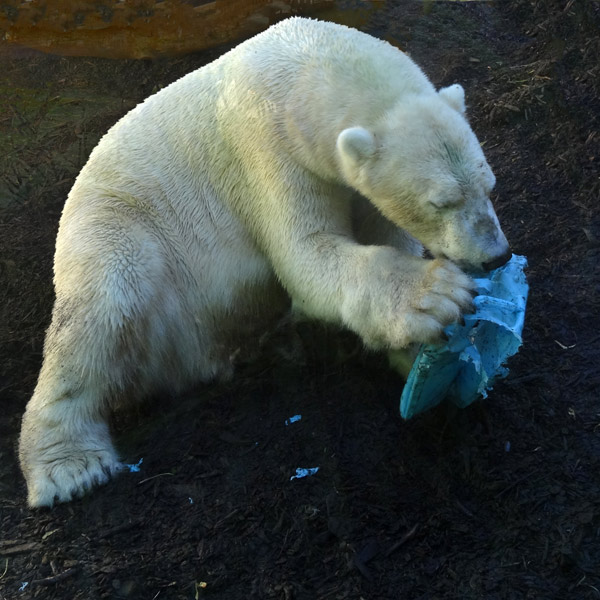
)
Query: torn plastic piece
[
  {"x": 24, "y": 584},
  {"x": 467, "y": 366},
  {"x": 304, "y": 473},
  {"x": 134, "y": 468},
  {"x": 293, "y": 419}
]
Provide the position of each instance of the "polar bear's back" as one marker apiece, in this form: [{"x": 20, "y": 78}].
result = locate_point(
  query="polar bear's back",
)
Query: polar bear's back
[
  {"x": 198, "y": 138},
  {"x": 338, "y": 50},
  {"x": 295, "y": 56},
  {"x": 305, "y": 61},
  {"x": 304, "y": 56}
]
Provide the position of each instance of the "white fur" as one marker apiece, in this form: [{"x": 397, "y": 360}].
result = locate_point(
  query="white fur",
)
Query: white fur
[
  {"x": 454, "y": 95},
  {"x": 208, "y": 206}
]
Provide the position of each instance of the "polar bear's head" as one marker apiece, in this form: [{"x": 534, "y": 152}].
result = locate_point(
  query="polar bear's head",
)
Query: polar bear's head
[{"x": 423, "y": 167}]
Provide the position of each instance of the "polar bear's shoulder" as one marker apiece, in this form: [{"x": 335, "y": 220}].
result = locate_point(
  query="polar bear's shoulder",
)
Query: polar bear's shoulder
[
  {"x": 348, "y": 55},
  {"x": 322, "y": 38}
]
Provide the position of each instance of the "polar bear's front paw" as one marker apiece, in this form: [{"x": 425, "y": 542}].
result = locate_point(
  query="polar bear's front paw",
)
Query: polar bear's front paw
[
  {"x": 408, "y": 300},
  {"x": 444, "y": 295},
  {"x": 72, "y": 475}
]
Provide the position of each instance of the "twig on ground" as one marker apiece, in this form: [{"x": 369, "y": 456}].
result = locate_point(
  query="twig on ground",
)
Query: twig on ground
[
  {"x": 55, "y": 578},
  {"x": 120, "y": 528},
  {"x": 154, "y": 477},
  {"x": 5, "y": 569},
  {"x": 402, "y": 540}
]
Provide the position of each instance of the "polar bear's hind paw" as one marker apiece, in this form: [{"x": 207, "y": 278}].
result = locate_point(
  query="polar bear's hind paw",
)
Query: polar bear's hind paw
[{"x": 71, "y": 477}]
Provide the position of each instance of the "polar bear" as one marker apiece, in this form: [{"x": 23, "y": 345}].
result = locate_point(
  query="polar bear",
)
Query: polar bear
[{"x": 310, "y": 164}]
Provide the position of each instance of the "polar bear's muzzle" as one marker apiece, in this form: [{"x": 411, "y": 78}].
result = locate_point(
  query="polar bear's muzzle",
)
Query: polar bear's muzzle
[
  {"x": 498, "y": 262},
  {"x": 475, "y": 240}
]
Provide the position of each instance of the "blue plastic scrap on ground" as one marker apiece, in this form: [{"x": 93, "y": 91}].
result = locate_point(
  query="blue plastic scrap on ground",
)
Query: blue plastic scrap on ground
[
  {"x": 467, "y": 366},
  {"x": 293, "y": 419},
  {"x": 300, "y": 473},
  {"x": 134, "y": 468}
]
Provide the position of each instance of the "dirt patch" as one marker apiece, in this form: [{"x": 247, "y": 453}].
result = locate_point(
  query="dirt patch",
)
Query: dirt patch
[{"x": 498, "y": 501}]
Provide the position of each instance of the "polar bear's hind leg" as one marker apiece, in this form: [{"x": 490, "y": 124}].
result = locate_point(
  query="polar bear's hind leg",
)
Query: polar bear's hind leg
[
  {"x": 65, "y": 446},
  {"x": 112, "y": 333}
]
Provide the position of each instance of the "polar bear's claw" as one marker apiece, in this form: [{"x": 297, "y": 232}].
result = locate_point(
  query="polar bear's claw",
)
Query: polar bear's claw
[
  {"x": 69, "y": 478},
  {"x": 446, "y": 295},
  {"x": 59, "y": 466},
  {"x": 417, "y": 299}
]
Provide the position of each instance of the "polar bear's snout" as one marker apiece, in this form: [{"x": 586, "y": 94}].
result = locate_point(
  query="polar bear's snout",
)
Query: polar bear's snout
[
  {"x": 474, "y": 241},
  {"x": 498, "y": 262},
  {"x": 497, "y": 248}
]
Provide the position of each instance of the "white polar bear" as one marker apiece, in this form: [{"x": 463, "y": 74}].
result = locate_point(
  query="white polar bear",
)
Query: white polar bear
[{"x": 230, "y": 191}]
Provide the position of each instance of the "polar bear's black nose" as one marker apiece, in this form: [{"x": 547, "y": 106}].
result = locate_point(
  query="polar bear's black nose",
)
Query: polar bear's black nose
[{"x": 498, "y": 262}]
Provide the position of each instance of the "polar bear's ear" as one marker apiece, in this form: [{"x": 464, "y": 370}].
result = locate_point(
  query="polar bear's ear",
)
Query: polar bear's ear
[
  {"x": 454, "y": 95},
  {"x": 356, "y": 144}
]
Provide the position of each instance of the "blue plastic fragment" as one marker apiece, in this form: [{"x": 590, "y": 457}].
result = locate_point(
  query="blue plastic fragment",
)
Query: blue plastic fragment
[
  {"x": 293, "y": 419},
  {"x": 134, "y": 468},
  {"x": 24, "y": 584},
  {"x": 467, "y": 366},
  {"x": 300, "y": 473}
]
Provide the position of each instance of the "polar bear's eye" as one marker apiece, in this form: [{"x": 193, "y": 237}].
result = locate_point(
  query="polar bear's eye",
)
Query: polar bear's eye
[
  {"x": 446, "y": 202},
  {"x": 445, "y": 193}
]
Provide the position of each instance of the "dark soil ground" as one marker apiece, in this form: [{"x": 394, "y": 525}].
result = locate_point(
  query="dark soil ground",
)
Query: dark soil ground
[{"x": 497, "y": 501}]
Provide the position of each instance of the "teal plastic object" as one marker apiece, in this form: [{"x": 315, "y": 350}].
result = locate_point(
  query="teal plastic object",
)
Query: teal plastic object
[{"x": 467, "y": 366}]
